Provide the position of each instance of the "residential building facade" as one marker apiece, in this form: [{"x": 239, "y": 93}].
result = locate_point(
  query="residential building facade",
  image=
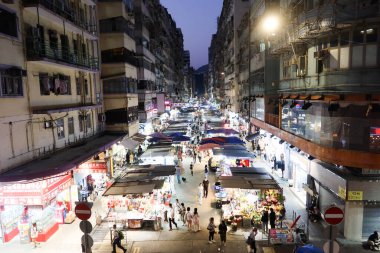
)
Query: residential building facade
[
  {"x": 119, "y": 66},
  {"x": 313, "y": 92}
]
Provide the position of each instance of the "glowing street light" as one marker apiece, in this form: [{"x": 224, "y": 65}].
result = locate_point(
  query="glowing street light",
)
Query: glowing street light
[{"x": 271, "y": 23}]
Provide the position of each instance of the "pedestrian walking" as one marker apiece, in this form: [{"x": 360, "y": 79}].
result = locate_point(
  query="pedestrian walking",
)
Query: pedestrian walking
[
  {"x": 195, "y": 157},
  {"x": 177, "y": 210},
  {"x": 178, "y": 173},
  {"x": 211, "y": 230},
  {"x": 34, "y": 234},
  {"x": 199, "y": 157},
  {"x": 196, "y": 226},
  {"x": 171, "y": 217},
  {"x": 223, "y": 232},
  {"x": 251, "y": 241},
  {"x": 189, "y": 219},
  {"x": 206, "y": 171},
  {"x": 272, "y": 218},
  {"x": 205, "y": 184},
  {"x": 200, "y": 193},
  {"x": 265, "y": 220},
  {"x": 117, "y": 240},
  {"x": 191, "y": 168},
  {"x": 182, "y": 213}
]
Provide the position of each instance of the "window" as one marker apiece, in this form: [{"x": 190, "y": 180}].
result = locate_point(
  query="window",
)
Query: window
[
  {"x": 88, "y": 121},
  {"x": 8, "y": 23},
  {"x": 344, "y": 39},
  {"x": 358, "y": 36},
  {"x": 70, "y": 125},
  {"x": 58, "y": 84},
  {"x": 302, "y": 66},
  {"x": 60, "y": 123},
  {"x": 11, "y": 82},
  {"x": 371, "y": 35},
  {"x": 80, "y": 120}
]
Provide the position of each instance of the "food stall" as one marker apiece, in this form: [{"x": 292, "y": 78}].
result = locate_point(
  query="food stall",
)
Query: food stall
[
  {"x": 224, "y": 158},
  {"x": 244, "y": 197},
  {"x": 140, "y": 197}
]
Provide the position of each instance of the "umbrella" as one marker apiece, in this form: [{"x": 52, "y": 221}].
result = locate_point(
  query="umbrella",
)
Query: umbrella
[
  {"x": 309, "y": 249},
  {"x": 208, "y": 146}
]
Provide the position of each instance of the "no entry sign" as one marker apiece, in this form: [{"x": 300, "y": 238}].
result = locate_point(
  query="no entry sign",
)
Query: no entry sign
[
  {"x": 334, "y": 215},
  {"x": 83, "y": 211}
]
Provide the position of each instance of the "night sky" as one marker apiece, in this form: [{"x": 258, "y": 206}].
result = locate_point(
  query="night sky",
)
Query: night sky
[{"x": 198, "y": 21}]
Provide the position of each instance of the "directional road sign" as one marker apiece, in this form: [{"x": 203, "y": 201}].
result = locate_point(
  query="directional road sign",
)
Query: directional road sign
[
  {"x": 83, "y": 211},
  {"x": 334, "y": 215}
]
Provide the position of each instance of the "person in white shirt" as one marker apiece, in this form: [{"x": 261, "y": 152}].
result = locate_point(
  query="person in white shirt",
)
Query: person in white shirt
[
  {"x": 171, "y": 217},
  {"x": 189, "y": 219},
  {"x": 34, "y": 234}
]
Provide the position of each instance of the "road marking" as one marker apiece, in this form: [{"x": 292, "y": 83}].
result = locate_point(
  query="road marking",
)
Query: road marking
[
  {"x": 332, "y": 216},
  {"x": 136, "y": 250}
]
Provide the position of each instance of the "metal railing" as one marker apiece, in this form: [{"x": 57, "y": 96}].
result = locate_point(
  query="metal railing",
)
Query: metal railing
[
  {"x": 119, "y": 55},
  {"x": 66, "y": 12},
  {"x": 38, "y": 48}
]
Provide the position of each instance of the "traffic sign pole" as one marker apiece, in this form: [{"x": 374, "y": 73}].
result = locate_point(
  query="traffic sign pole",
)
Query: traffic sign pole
[{"x": 333, "y": 216}]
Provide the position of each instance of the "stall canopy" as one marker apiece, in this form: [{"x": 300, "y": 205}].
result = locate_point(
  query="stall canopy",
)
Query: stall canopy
[
  {"x": 136, "y": 187},
  {"x": 145, "y": 172},
  {"x": 251, "y": 181},
  {"x": 222, "y": 140},
  {"x": 159, "y": 135},
  {"x": 208, "y": 146},
  {"x": 233, "y": 153},
  {"x": 234, "y": 146},
  {"x": 227, "y": 131},
  {"x": 138, "y": 137},
  {"x": 129, "y": 143},
  {"x": 251, "y": 137}
]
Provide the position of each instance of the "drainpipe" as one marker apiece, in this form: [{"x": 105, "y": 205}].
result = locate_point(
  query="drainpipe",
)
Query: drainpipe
[{"x": 52, "y": 131}]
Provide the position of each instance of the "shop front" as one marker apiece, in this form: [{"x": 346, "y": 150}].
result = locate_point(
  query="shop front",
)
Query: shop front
[
  {"x": 298, "y": 168},
  {"x": 43, "y": 202}
]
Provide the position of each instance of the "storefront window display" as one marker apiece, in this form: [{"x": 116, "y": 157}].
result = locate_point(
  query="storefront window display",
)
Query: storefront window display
[{"x": 9, "y": 218}]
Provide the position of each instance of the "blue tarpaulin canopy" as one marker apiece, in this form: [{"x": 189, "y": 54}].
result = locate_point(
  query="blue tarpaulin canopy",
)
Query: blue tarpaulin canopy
[
  {"x": 222, "y": 131},
  {"x": 180, "y": 138},
  {"x": 309, "y": 249},
  {"x": 232, "y": 153}
]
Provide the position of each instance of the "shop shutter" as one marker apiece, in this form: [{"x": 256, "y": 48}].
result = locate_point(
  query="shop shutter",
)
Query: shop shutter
[{"x": 371, "y": 219}]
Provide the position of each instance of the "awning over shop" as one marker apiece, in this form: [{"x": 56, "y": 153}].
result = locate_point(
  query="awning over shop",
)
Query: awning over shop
[
  {"x": 251, "y": 170},
  {"x": 232, "y": 153},
  {"x": 251, "y": 137},
  {"x": 136, "y": 187},
  {"x": 147, "y": 172},
  {"x": 129, "y": 143},
  {"x": 61, "y": 161},
  {"x": 138, "y": 137},
  {"x": 254, "y": 182}
]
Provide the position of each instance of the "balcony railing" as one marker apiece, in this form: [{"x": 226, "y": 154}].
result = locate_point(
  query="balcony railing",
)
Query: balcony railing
[
  {"x": 119, "y": 85},
  {"x": 117, "y": 24},
  {"x": 38, "y": 49},
  {"x": 119, "y": 55},
  {"x": 66, "y": 12}
]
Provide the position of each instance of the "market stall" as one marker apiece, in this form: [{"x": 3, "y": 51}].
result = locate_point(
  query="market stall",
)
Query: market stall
[
  {"x": 243, "y": 199},
  {"x": 137, "y": 204}
]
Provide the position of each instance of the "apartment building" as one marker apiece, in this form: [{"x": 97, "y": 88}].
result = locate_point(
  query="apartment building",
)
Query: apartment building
[
  {"x": 313, "y": 94},
  {"x": 119, "y": 66},
  {"x": 223, "y": 52}
]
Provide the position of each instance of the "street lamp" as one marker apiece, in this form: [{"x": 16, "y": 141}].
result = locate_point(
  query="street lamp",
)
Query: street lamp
[{"x": 271, "y": 23}]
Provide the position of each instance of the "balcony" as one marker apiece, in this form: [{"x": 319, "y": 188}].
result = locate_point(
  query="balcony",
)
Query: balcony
[
  {"x": 50, "y": 9},
  {"x": 44, "y": 50},
  {"x": 118, "y": 55},
  {"x": 117, "y": 25},
  {"x": 119, "y": 85}
]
